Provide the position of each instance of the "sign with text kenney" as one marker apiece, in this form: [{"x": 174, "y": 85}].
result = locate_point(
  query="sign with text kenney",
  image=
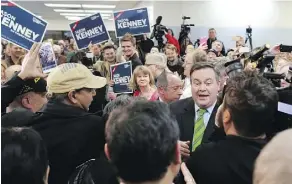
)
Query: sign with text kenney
[
  {"x": 20, "y": 26},
  {"x": 121, "y": 74},
  {"x": 135, "y": 21},
  {"x": 89, "y": 30}
]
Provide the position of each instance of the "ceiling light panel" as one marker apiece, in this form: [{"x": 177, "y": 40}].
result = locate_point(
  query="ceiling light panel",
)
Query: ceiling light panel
[
  {"x": 63, "y": 5},
  {"x": 73, "y": 18},
  {"x": 98, "y": 11},
  {"x": 69, "y": 11},
  {"x": 83, "y": 14},
  {"x": 98, "y": 6},
  {"x": 76, "y": 14}
]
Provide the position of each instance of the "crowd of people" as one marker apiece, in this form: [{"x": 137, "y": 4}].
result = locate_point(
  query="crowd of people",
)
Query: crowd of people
[{"x": 186, "y": 121}]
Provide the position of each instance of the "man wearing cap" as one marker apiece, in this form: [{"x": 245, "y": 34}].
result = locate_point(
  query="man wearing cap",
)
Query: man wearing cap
[
  {"x": 24, "y": 92},
  {"x": 32, "y": 96},
  {"x": 72, "y": 135},
  {"x": 156, "y": 62}
]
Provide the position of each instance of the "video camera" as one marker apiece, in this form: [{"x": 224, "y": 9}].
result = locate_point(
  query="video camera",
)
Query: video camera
[
  {"x": 158, "y": 32},
  {"x": 185, "y": 30}
]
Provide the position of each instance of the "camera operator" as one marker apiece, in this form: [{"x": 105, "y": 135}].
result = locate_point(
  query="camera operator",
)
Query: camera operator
[
  {"x": 144, "y": 45},
  {"x": 184, "y": 44},
  {"x": 212, "y": 38}
]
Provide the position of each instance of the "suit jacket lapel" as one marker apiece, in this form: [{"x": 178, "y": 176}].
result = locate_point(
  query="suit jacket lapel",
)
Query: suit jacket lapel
[
  {"x": 187, "y": 119},
  {"x": 210, "y": 127}
]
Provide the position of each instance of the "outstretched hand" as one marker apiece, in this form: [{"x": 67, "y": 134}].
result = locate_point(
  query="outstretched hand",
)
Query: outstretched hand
[
  {"x": 189, "y": 179},
  {"x": 31, "y": 67}
]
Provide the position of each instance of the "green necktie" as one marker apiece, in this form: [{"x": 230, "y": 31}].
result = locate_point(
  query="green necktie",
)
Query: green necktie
[{"x": 199, "y": 130}]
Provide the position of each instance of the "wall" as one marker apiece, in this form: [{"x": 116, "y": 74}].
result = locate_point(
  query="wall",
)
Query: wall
[
  {"x": 63, "y": 25},
  {"x": 271, "y": 20}
]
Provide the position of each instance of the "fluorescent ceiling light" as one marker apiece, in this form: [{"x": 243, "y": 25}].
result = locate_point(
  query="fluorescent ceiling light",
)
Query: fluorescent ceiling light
[
  {"x": 83, "y": 14},
  {"x": 66, "y": 10},
  {"x": 64, "y": 5},
  {"x": 80, "y": 17},
  {"x": 105, "y": 15},
  {"x": 98, "y": 6},
  {"x": 73, "y": 18},
  {"x": 76, "y": 14},
  {"x": 98, "y": 11}
]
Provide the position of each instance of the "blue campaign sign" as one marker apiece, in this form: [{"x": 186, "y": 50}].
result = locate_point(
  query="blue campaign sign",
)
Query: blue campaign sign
[
  {"x": 135, "y": 21},
  {"x": 121, "y": 74},
  {"x": 20, "y": 26},
  {"x": 90, "y": 29}
]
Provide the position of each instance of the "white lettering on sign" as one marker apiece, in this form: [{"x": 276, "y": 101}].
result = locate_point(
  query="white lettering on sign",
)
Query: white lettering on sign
[
  {"x": 125, "y": 23},
  {"x": 10, "y": 21},
  {"x": 83, "y": 33},
  {"x": 122, "y": 80}
]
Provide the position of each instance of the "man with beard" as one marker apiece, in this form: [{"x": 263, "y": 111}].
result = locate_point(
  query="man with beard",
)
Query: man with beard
[
  {"x": 14, "y": 54},
  {"x": 247, "y": 112},
  {"x": 128, "y": 43},
  {"x": 173, "y": 62}
]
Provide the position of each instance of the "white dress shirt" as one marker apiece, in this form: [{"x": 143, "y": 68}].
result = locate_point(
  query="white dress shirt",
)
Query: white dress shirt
[
  {"x": 187, "y": 89},
  {"x": 207, "y": 114}
]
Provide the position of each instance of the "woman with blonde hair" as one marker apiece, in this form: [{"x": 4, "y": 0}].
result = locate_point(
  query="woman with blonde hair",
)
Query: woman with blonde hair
[
  {"x": 3, "y": 68},
  {"x": 142, "y": 83}
]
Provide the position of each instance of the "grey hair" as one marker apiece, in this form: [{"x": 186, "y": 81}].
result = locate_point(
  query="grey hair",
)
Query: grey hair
[
  {"x": 60, "y": 97},
  {"x": 17, "y": 102},
  {"x": 162, "y": 80},
  {"x": 219, "y": 64},
  {"x": 119, "y": 102}
]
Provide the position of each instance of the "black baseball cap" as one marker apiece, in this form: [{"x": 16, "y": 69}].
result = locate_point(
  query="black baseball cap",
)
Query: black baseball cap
[{"x": 38, "y": 85}]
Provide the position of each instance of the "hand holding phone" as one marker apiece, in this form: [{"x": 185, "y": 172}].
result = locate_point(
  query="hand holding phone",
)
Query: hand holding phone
[{"x": 203, "y": 40}]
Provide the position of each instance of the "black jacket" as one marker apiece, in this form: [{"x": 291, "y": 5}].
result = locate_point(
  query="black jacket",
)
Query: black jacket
[
  {"x": 184, "y": 111},
  {"x": 9, "y": 91},
  {"x": 229, "y": 161},
  {"x": 135, "y": 61},
  {"x": 72, "y": 136},
  {"x": 178, "y": 67}
]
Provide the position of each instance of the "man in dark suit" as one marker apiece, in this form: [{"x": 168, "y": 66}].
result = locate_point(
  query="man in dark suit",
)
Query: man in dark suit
[
  {"x": 196, "y": 115},
  {"x": 246, "y": 113},
  {"x": 169, "y": 87}
]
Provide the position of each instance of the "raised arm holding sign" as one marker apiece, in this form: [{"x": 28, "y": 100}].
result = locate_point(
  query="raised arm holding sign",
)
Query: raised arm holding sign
[{"x": 20, "y": 26}]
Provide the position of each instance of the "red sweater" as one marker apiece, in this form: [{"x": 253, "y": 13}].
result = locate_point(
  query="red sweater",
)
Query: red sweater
[{"x": 172, "y": 40}]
